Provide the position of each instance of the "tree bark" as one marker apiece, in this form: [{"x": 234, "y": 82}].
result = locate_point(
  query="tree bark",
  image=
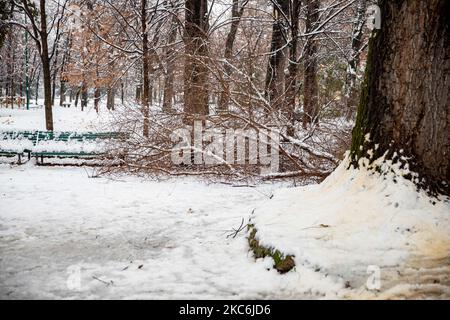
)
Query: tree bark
[
  {"x": 274, "y": 89},
  {"x": 196, "y": 52},
  {"x": 404, "y": 108},
  {"x": 310, "y": 93},
  {"x": 291, "y": 79},
  {"x": 46, "y": 68}
]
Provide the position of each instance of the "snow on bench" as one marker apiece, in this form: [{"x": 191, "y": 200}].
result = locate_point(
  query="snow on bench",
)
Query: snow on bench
[{"x": 55, "y": 144}]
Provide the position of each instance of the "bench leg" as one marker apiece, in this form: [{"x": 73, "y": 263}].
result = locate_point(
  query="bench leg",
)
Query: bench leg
[{"x": 19, "y": 162}]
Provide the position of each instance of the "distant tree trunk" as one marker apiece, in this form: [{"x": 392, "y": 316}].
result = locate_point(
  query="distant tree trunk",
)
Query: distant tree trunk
[
  {"x": 12, "y": 71},
  {"x": 55, "y": 70},
  {"x": 274, "y": 90},
  {"x": 291, "y": 79},
  {"x": 150, "y": 88},
  {"x": 38, "y": 79},
  {"x": 77, "y": 96},
  {"x": 6, "y": 8},
  {"x": 45, "y": 58},
  {"x": 196, "y": 50},
  {"x": 97, "y": 92},
  {"x": 404, "y": 109},
  {"x": 97, "y": 95},
  {"x": 350, "y": 92},
  {"x": 122, "y": 92},
  {"x": 71, "y": 94},
  {"x": 138, "y": 94},
  {"x": 160, "y": 90},
  {"x": 12, "y": 91},
  {"x": 62, "y": 76},
  {"x": 110, "y": 99},
  {"x": 236, "y": 14},
  {"x": 84, "y": 96},
  {"x": 310, "y": 87},
  {"x": 62, "y": 93},
  {"x": 169, "y": 74},
  {"x": 145, "y": 68}
]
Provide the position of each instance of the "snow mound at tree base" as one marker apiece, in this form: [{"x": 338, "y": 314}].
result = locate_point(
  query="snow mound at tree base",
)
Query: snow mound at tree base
[{"x": 357, "y": 221}]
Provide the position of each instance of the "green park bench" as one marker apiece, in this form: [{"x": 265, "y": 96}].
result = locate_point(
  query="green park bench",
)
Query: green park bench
[
  {"x": 30, "y": 143},
  {"x": 22, "y": 141}
]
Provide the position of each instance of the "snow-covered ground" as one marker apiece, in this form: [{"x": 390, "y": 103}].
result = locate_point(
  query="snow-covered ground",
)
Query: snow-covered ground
[
  {"x": 64, "y": 234},
  {"x": 129, "y": 238},
  {"x": 64, "y": 119},
  {"x": 364, "y": 230}
]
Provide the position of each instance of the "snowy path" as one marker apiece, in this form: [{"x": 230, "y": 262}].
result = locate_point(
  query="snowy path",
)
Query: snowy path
[{"x": 129, "y": 239}]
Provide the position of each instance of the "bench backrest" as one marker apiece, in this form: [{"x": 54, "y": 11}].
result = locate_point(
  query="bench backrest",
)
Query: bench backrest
[{"x": 37, "y": 136}]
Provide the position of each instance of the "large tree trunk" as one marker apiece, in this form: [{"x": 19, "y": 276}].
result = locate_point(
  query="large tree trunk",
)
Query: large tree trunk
[
  {"x": 46, "y": 69},
  {"x": 404, "y": 107},
  {"x": 145, "y": 68},
  {"x": 196, "y": 50},
  {"x": 291, "y": 79},
  {"x": 310, "y": 93},
  {"x": 236, "y": 15},
  {"x": 274, "y": 89}
]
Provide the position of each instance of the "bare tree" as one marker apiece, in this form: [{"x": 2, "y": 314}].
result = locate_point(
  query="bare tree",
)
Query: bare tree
[
  {"x": 310, "y": 88},
  {"x": 292, "y": 77},
  {"x": 39, "y": 29},
  {"x": 236, "y": 13},
  {"x": 196, "y": 52},
  {"x": 170, "y": 55},
  {"x": 274, "y": 90}
]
